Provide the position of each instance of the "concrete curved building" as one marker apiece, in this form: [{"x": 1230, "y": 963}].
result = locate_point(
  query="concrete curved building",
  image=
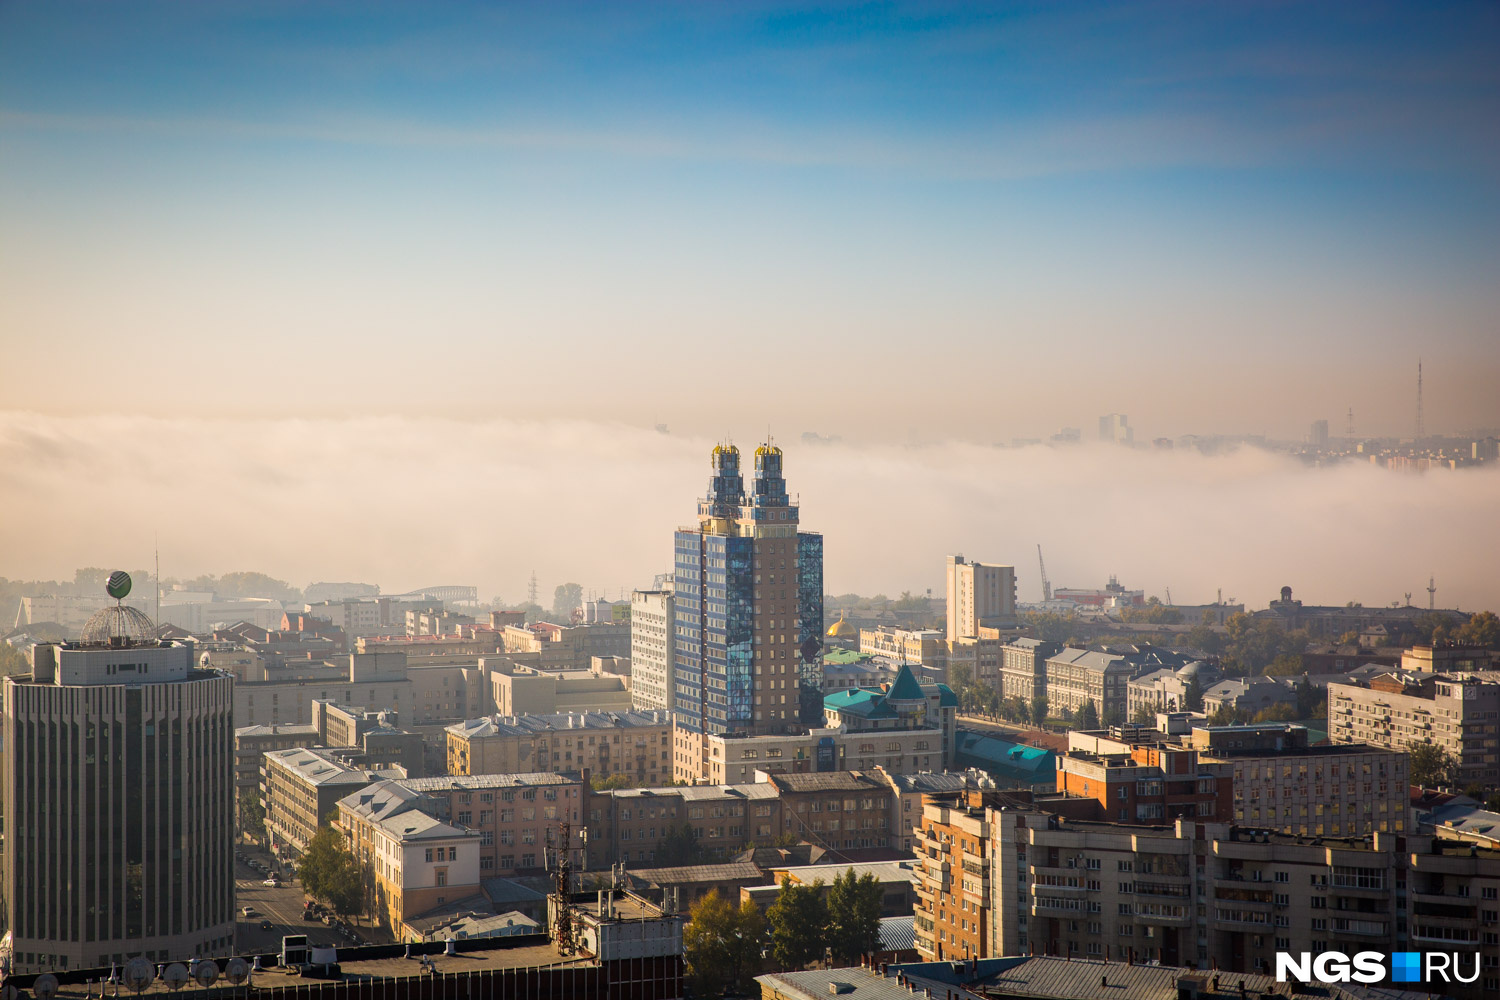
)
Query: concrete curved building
[{"x": 119, "y": 806}]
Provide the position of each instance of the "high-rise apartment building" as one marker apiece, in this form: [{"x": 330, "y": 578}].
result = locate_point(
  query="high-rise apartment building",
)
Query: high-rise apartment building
[
  {"x": 1458, "y": 713},
  {"x": 119, "y": 801},
  {"x": 1115, "y": 428},
  {"x": 748, "y": 608},
  {"x": 652, "y": 648},
  {"x": 1319, "y": 435},
  {"x": 979, "y": 593}
]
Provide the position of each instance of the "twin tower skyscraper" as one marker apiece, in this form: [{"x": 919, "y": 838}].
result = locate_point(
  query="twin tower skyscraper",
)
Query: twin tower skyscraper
[{"x": 747, "y": 608}]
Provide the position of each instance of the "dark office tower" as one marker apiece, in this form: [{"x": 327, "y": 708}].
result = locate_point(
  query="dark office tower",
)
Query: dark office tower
[
  {"x": 119, "y": 809},
  {"x": 748, "y": 600}
]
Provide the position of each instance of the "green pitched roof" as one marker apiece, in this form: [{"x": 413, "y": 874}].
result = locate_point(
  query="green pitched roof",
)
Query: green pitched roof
[{"x": 905, "y": 687}]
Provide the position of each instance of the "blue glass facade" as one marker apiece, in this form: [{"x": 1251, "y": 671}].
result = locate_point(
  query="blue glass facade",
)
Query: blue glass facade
[
  {"x": 739, "y": 605},
  {"x": 687, "y": 603},
  {"x": 810, "y": 627}
]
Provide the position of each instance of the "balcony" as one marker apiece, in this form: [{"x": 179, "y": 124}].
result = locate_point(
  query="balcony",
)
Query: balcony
[{"x": 1163, "y": 920}]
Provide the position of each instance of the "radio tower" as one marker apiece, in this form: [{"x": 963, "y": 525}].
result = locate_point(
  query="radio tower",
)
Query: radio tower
[
  {"x": 1431, "y": 593},
  {"x": 1421, "y": 431},
  {"x": 531, "y": 591},
  {"x": 1349, "y": 428}
]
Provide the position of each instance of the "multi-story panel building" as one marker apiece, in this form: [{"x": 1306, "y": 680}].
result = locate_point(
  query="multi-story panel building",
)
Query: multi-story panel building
[
  {"x": 1193, "y": 893},
  {"x": 1460, "y": 713},
  {"x": 1280, "y": 783},
  {"x": 953, "y": 843},
  {"x": 748, "y": 608},
  {"x": 1453, "y": 900},
  {"x": 1143, "y": 782},
  {"x": 302, "y": 789},
  {"x": 923, "y": 647},
  {"x": 1023, "y": 668},
  {"x": 979, "y": 594},
  {"x": 514, "y": 816},
  {"x": 652, "y": 644},
  {"x": 118, "y": 790},
  {"x": 637, "y": 744},
  {"x": 835, "y": 809},
  {"x": 635, "y": 825},
  {"x": 1076, "y": 677}
]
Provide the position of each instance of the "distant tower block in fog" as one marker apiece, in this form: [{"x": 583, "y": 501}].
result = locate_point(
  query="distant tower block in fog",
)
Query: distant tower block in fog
[
  {"x": 979, "y": 594},
  {"x": 1115, "y": 428},
  {"x": 1421, "y": 426},
  {"x": 1319, "y": 436}
]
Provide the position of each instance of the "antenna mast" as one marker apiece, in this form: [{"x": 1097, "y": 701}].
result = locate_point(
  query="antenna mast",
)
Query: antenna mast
[
  {"x": 531, "y": 593},
  {"x": 562, "y": 874},
  {"x": 1349, "y": 428},
  {"x": 1421, "y": 431},
  {"x": 1432, "y": 593}
]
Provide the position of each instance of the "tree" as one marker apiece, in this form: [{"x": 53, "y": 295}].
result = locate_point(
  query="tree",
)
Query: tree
[
  {"x": 679, "y": 846},
  {"x": 1285, "y": 665},
  {"x": 1088, "y": 716},
  {"x": 13, "y": 661},
  {"x": 1492, "y": 803},
  {"x": 330, "y": 872},
  {"x": 1483, "y": 629},
  {"x": 1432, "y": 766},
  {"x": 252, "y": 814},
  {"x": 613, "y": 782},
  {"x": 749, "y": 944},
  {"x": 1205, "y": 639},
  {"x": 707, "y": 942},
  {"x": 1144, "y": 715},
  {"x": 854, "y": 916},
  {"x": 798, "y": 923},
  {"x": 1192, "y": 698},
  {"x": 1276, "y": 713},
  {"x": 567, "y": 598},
  {"x": 1039, "y": 711}
]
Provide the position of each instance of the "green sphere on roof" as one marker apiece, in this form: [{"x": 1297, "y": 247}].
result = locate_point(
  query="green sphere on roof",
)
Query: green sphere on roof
[{"x": 118, "y": 585}]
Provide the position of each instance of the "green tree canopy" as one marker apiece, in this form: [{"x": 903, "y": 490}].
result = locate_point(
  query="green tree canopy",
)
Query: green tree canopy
[
  {"x": 330, "y": 872},
  {"x": 707, "y": 942},
  {"x": 252, "y": 813},
  {"x": 1039, "y": 711},
  {"x": 798, "y": 923},
  {"x": 679, "y": 846},
  {"x": 1087, "y": 716},
  {"x": 1432, "y": 766},
  {"x": 567, "y": 598},
  {"x": 1481, "y": 630},
  {"x": 854, "y": 916}
]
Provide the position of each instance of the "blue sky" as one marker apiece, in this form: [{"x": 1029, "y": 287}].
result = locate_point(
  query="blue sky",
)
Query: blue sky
[{"x": 1214, "y": 217}]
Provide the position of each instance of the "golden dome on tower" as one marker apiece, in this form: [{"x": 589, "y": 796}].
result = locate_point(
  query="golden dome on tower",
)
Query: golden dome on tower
[{"x": 842, "y": 629}]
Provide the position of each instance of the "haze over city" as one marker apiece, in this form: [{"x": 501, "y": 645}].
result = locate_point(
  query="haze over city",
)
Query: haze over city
[{"x": 550, "y": 500}]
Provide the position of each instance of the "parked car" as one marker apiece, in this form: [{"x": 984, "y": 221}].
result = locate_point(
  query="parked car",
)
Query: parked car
[
  {"x": 247, "y": 911},
  {"x": 273, "y": 882},
  {"x": 266, "y": 925}
]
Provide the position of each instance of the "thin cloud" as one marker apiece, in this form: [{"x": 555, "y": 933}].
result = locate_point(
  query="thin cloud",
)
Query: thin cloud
[{"x": 411, "y": 502}]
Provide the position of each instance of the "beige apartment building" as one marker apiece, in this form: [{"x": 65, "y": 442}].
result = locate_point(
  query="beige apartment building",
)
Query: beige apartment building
[
  {"x": 920, "y": 647},
  {"x": 736, "y": 758},
  {"x": 523, "y": 690},
  {"x": 637, "y": 744},
  {"x": 303, "y": 788},
  {"x": 1194, "y": 894},
  {"x": 1460, "y": 713},
  {"x": 979, "y": 594},
  {"x": 652, "y": 647}
]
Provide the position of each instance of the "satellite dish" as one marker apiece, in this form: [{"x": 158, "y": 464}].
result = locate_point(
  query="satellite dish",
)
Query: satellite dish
[
  {"x": 9, "y": 992},
  {"x": 45, "y": 986},
  {"x": 205, "y": 973},
  {"x": 236, "y": 970},
  {"x": 118, "y": 585},
  {"x": 139, "y": 972},
  {"x": 175, "y": 976}
]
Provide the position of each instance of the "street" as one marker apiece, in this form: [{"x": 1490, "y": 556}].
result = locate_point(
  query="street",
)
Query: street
[{"x": 282, "y": 906}]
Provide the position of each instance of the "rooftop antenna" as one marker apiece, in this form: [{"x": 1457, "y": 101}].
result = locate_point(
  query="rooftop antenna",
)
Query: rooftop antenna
[
  {"x": 157, "y": 543},
  {"x": 1431, "y": 593},
  {"x": 1421, "y": 431},
  {"x": 1349, "y": 428},
  {"x": 531, "y": 593}
]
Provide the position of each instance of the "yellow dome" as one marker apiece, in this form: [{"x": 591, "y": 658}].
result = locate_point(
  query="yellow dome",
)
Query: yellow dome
[{"x": 842, "y": 629}]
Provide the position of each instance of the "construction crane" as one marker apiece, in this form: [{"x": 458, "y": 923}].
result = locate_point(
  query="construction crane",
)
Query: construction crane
[{"x": 1046, "y": 584}]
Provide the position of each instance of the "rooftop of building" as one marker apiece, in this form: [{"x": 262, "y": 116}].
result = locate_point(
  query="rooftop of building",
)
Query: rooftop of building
[
  {"x": 1004, "y": 759},
  {"x": 882, "y": 871},
  {"x": 928, "y": 782},
  {"x": 728, "y": 871},
  {"x": 321, "y": 767},
  {"x": 525, "y": 725},
  {"x": 826, "y": 781},
  {"x": 476, "y": 782},
  {"x": 1055, "y": 978},
  {"x": 898, "y": 933},
  {"x": 282, "y": 729},
  {"x": 415, "y": 826},
  {"x": 701, "y": 793}
]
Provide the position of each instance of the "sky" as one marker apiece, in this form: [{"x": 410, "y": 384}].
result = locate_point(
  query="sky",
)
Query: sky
[{"x": 922, "y": 228}]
